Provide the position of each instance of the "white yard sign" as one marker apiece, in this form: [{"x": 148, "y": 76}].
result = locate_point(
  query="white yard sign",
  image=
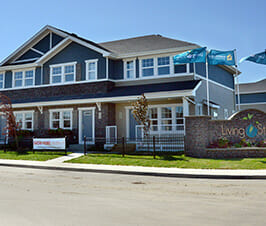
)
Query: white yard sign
[{"x": 49, "y": 143}]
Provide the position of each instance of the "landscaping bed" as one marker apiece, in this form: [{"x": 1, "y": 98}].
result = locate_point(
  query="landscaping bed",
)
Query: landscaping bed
[
  {"x": 29, "y": 155},
  {"x": 176, "y": 161}
]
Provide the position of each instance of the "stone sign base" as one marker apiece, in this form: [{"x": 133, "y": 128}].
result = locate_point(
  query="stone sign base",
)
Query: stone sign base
[
  {"x": 225, "y": 153},
  {"x": 206, "y": 138}
]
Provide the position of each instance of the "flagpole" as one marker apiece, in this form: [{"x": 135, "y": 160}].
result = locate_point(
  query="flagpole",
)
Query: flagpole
[
  {"x": 237, "y": 82},
  {"x": 207, "y": 85}
]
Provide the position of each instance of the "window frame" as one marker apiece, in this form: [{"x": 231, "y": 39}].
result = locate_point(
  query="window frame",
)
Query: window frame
[
  {"x": 156, "y": 67},
  {"x": 3, "y": 81},
  {"x": 23, "y": 127},
  {"x": 63, "y": 74},
  {"x": 23, "y": 78},
  {"x": 126, "y": 69},
  {"x": 61, "y": 119},
  {"x": 87, "y": 62}
]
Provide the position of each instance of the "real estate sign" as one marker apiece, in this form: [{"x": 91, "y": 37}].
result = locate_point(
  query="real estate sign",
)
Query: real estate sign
[{"x": 49, "y": 143}]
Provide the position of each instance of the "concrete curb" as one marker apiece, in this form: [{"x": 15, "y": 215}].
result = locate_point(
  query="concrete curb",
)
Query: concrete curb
[{"x": 143, "y": 173}]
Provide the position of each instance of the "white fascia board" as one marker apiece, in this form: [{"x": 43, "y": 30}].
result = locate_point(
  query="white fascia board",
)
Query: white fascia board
[
  {"x": 20, "y": 66},
  {"x": 41, "y": 33},
  {"x": 150, "y": 96},
  {"x": 196, "y": 88},
  {"x": 160, "y": 51}
]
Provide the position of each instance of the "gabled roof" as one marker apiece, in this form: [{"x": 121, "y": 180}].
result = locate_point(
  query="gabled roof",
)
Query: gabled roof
[
  {"x": 41, "y": 34},
  {"x": 253, "y": 87},
  {"x": 146, "y": 43}
]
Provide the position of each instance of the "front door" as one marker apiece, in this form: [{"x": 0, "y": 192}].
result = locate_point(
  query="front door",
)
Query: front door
[{"x": 86, "y": 125}]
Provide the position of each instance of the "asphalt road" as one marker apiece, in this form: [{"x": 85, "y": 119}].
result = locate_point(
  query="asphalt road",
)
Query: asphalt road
[{"x": 48, "y": 197}]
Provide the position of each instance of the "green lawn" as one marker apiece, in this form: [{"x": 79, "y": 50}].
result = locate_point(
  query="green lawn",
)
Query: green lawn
[
  {"x": 178, "y": 161},
  {"x": 38, "y": 156}
]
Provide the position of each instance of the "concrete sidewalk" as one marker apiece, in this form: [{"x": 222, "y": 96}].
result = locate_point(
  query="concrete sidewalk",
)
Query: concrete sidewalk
[{"x": 138, "y": 170}]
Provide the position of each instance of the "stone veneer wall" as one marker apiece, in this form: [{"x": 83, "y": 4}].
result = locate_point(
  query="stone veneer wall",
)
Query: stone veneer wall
[{"x": 201, "y": 131}]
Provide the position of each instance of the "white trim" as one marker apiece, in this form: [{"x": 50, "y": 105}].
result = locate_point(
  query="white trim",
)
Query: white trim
[
  {"x": 252, "y": 92},
  {"x": 51, "y": 41},
  {"x": 80, "y": 110},
  {"x": 18, "y": 67},
  {"x": 37, "y": 51},
  {"x": 52, "y": 52},
  {"x": 107, "y": 68},
  {"x": 252, "y": 103},
  {"x": 216, "y": 83},
  {"x": 87, "y": 69},
  {"x": 125, "y": 61},
  {"x": 155, "y": 95},
  {"x": 21, "y": 61},
  {"x": 4, "y": 79},
  {"x": 63, "y": 73},
  {"x": 24, "y": 119},
  {"x": 61, "y": 120},
  {"x": 158, "y": 106},
  {"x": 23, "y": 78}
]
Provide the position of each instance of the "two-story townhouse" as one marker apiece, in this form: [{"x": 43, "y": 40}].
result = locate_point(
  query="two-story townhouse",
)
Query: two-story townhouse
[
  {"x": 59, "y": 80},
  {"x": 252, "y": 95}
]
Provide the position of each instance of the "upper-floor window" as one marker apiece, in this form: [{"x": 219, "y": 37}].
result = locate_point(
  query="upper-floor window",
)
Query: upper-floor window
[
  {"x": 130, "y": 69},
  {"x": 2, "y": 82},
  {"x": 63, "y": 73},
  {"x": 61, "y": 118},
  {"x": 161, "y": 66},
  {"x": 23, "y": 78},
  {"x": 164, "y": 65},
  {"x": 24, "y": 119},
  {"x": 147, "y": 67},
  {"x": 91, "y": 69}
]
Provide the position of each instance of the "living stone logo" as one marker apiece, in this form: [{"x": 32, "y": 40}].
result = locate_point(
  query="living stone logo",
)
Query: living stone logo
[{"x": 250, "y": 131}]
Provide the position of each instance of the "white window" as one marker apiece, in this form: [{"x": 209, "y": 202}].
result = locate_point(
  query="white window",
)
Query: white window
[
  {"x": 25, "y": 119},
  {"x": 61, "y": 118},
  {"x": 91, "y": 69},
  {"x": 166, "y": 118},
  {"x": 63, "y": 73},
  {"x": 129, "y": 69},
  {"x": 2, "y": 80},
  {"x": 154, "y": 118},
  {"x": 23, "y": 78},
  {"x": 163, "y": 65},
  {"x": 147, "y": 67}
]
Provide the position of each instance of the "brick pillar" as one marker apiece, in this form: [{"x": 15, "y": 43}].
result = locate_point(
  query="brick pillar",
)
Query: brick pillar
[
  {"x": 196, "y": 138},
  {"x": 103, "y": 118}
]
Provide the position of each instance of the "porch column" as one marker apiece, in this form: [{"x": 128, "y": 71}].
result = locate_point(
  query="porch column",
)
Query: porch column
[{"x": 185, "y": 107}]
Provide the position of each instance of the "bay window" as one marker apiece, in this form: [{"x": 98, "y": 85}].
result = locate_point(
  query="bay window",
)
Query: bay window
[{"x": 63, "y": 73}]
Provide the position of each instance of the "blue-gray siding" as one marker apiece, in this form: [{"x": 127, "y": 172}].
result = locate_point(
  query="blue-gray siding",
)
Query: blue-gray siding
[
  {"x": 30, "y": 54},
  {"x": 252, "y": 98},
  {"x": 44, "y": 44},
  {"x": 216, "y": 74},
  {"x": 8, "y": 79},
  {"x": 76, "y": 53}
]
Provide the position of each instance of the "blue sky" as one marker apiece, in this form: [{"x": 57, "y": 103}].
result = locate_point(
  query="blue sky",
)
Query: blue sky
[{"x": 222, "y": 25}]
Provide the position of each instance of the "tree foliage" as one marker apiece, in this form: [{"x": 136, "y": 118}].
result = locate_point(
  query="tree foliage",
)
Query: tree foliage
[
  {"x": 12, "y": 126},
  {"x": 141, "y": 113}
]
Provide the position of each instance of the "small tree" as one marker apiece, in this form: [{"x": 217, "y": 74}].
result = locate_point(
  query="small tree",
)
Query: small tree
[
  {"x": 11, "y": 125},
  {"x": 141, "y": 113}
]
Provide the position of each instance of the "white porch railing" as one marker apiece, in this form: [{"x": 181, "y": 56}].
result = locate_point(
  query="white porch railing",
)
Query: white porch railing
[
  {"x": 170, "y": 137},
  {"x": 111, "y": 135}
]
